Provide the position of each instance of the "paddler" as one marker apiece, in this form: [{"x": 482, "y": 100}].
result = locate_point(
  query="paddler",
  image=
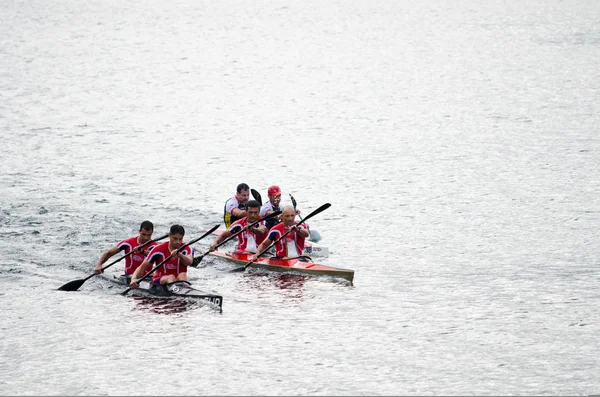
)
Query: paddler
[
  {"x": 272, "y": 205},
  {"x": 134, "y": 243},
  {"x": 235, "y": 207},
  {"x": 175, "y": 269},
  {"x": 251, "y": 236},
  {"x": 293, "y": 244}
]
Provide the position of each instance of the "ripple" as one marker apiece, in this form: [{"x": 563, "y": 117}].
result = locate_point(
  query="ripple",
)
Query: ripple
[{"x": 457, "y": 163}]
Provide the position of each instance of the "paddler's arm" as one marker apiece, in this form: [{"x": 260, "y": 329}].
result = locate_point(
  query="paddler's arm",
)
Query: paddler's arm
[
  {"x": 259, "y": 230},
  {"x": 266, "y": 242},
  {"x": 238, "y": 212},
  {"x": 301, "y": 231},
  {"x": 219, "y": 240},
  {"x": 185, "y": 259},
  {"x": 104, "y": 257},
  {"x": 139, "y": 273}
]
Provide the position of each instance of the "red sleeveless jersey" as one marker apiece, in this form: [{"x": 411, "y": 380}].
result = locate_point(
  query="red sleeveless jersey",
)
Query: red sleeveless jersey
[
  {"x": 173, "y": 266},
  {"x": 281, "y": 247},
  {"x": 244, "y": 236},
  {"x": 134, "y": 260}
]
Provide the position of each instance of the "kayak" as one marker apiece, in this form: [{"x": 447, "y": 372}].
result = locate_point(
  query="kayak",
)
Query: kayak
[
  {"x": 311, "y": 248},
  {"x": 178, "y": 289},
  {"x": 300, "y": 265}
]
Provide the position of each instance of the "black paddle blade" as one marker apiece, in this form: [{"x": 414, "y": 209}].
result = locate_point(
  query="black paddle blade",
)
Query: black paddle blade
[
  {"x": 72, "y": 285},
  {"x": 256, "y": 196},
  {"x": 197, "y": 260},
  {"x": 293, "y": 200}
]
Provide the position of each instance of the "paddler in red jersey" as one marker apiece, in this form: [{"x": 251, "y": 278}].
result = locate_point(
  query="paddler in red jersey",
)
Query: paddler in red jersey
[
  {"x": 293, "y": 244},
  {"x": 175, "y": 269},
  {"x": 134, "y": 260},
  {"x": 251, "y": 236}
]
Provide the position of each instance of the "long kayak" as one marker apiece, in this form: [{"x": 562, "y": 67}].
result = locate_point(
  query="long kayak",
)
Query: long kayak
[
  {"x": 296, "y": 265},
  {"x": 178, "y": 289},
  {"x": 310, "y": 248}
]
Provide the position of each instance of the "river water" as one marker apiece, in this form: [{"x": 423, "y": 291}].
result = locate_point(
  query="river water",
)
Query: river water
[{"x": 457, "y": 142}]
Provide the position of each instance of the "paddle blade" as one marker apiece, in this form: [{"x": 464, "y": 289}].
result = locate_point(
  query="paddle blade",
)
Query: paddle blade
[
  {"x": 256, "y": 196},
  {"x": 72, "y": 285},
  {"x": 293, "y": 200},
  {"x": 197, "y": 260}
]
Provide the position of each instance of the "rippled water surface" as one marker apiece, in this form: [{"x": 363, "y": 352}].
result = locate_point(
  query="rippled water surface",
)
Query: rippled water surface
[{"x": 457, "y": 142}]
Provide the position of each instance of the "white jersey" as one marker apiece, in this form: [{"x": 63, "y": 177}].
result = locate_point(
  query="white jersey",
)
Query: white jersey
[{"x": 268, "y": 206}]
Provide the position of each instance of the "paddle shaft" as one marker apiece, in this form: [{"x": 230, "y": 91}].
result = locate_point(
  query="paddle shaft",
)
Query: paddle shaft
[
  {"x": 294, "y": 204},
  {"x": 79, "y": 283},
  {"x": 172, "y": 254},
  {"x": 313, "y": 234},
  {"x": 234, "y": 235},
  {"x": 315, "y": 212}
]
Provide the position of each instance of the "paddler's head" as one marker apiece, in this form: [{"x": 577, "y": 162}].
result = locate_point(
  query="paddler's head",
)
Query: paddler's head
[
  {"x": 288, "y": 215},
  {"x": 176, "y": 234},
  {"x": 146, "y": 229},
  {"x": 274, "y": 194},
  {"x": 253, "y": 210},
  {"x": 242, "y": 193}
]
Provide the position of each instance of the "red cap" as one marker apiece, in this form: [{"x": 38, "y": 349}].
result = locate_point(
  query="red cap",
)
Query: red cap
[{"x": 274, "y": 190}]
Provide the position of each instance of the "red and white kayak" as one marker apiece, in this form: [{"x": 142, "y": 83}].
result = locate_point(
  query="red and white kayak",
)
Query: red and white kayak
[{"x": 295, "y": 265}]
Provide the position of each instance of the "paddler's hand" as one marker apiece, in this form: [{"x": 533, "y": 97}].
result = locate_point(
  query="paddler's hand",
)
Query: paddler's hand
[
  {"x": 212, "y": 248},
  {"x": 134, "y": 283},
  {"x": 139, "y": 249},
  {"x": 299, "y": 230},
  {"x": 98, "y": 270}
]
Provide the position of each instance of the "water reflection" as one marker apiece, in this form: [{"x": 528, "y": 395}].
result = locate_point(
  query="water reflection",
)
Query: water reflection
[
  {"x": 292, "y": 284},
  {"x": 166, "y": 305}
]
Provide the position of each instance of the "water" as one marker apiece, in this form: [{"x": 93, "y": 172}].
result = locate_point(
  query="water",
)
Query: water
[{"x": 457, "y": 143}]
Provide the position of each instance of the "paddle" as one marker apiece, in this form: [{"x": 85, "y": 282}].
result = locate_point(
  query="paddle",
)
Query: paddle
[
  {"x": 315, "y": 236},
  {"x": 256, "y": 196},
  {"x": 197, "y": 260},
  {"x": 294, "y": 203},
  {"x": 76, "y": 284},
  {"x": 315, "y": 212},
  {"x": 170, "y": 256}
]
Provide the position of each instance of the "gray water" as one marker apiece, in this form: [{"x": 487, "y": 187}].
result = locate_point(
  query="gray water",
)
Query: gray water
[{"x": 457, "y": 142}]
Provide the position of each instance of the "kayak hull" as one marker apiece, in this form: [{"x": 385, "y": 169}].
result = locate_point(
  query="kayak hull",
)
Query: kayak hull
[
  {"x": 179, "y": 289},
  {"x": 288, "y": 265}
]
